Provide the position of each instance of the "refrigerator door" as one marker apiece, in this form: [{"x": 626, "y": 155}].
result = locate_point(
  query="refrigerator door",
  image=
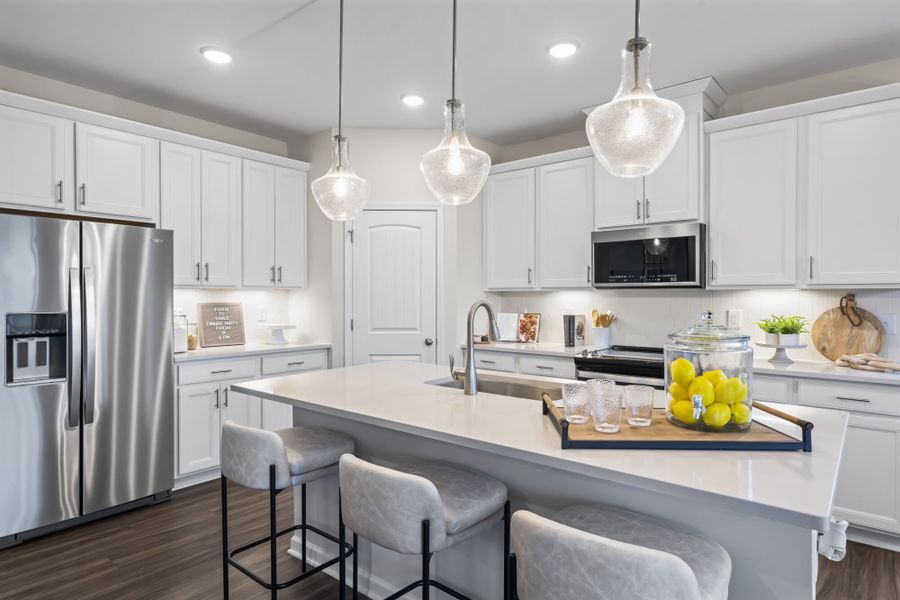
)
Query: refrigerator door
[
  {"x": 128, "y": 391},
  {"x": 39, "y": 426}
]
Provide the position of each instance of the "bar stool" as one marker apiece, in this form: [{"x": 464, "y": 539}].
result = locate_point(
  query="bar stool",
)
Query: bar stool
[
  {"x": 267, "y": 460},
  {"x": 606, "y": 552},
  {"x": 424, "y": 509}
]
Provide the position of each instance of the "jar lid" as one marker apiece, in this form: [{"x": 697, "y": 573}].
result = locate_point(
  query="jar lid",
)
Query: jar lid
[{"x": 707, "y": 330}]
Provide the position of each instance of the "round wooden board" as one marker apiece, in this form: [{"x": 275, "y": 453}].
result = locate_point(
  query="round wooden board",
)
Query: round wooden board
[{"x": 833, "y": 335}]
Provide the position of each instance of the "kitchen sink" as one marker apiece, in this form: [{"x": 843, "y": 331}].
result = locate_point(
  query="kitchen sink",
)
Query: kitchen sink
[{"x": 504, "y": 387}]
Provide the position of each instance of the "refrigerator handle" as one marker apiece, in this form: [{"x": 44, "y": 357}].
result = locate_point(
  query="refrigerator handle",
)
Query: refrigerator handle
[
  {"x": 75, "y": 338},
  {"x": 90, "y": 344}
]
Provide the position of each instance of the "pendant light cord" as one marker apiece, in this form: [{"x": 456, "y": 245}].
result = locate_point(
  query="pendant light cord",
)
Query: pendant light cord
[
  {"x": 341, "y": 68},
  {"x": 637, "y": 18},
  {"x": 453, "y": 60}
]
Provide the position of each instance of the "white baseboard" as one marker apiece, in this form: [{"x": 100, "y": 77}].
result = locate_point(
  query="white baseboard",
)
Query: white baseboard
[
  {"x": 870, "y": 537},
  {"x": 196, "y": 478}
]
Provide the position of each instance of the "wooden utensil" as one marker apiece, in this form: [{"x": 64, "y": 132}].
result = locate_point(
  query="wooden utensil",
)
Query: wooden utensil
[
  {"x": 595, "y": 318},
  {"x": 847, "y": 329}
]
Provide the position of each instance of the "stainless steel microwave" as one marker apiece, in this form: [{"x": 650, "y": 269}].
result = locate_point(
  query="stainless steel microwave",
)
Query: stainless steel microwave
[{"x": 653, "y": 256}]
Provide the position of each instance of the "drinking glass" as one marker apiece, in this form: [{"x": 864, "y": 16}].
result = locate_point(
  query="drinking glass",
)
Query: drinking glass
[
  {"x": 575, "y": 402},
  {"x": 606, "y": 407},
  {"x": 639, "y": 405}
]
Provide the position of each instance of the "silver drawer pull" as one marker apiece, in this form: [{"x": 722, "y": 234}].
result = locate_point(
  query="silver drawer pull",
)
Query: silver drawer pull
[
  {"x": 544, "y": 367},
  {"x": 222, "y": 372},
  {"x": 296, "y": 364},
  {"x": 488, "y": 362},
  {"x": 853, "y": 399}
]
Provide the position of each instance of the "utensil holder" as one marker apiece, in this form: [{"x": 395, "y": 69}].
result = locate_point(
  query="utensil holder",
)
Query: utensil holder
[{"x": 600, "y": 337}]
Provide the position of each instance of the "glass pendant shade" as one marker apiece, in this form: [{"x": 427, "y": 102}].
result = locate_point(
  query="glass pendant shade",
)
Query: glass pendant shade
[
  {"x": 340, "y": 193},
  {"x": 455, "y": 171},
  {"x": 634, "y": 133}
]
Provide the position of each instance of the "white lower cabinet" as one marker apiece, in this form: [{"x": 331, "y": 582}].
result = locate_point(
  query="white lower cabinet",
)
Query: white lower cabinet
[
  {"x": 243, "y": 409},
  {"x": 527, "y": 364},
  {"x": 197, "y": 428}
]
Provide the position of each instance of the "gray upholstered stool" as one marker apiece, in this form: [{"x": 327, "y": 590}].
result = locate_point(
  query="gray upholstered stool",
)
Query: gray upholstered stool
[
  {"x": 266, "y": 460},
  {"x": 606, "y": 552},
  {"x": 426, "y": 508}
]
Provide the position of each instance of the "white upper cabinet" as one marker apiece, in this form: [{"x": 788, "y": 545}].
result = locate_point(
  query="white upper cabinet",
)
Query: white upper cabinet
[
  {"x": 259, "y": 224},
  {"x": 672, "y": 192},
  {"x": 509, "y": 232},
  {"x": 853, "y": 187},
  {"x": 180, "y": 184},
  {"x": 117, "y": 173},
  {"x": 618, "y": 201},
  {"x": 753, "y": 205},
  {"x": 290, "y": 227},
  {"x": 221, "y": 210},
  {"x": 36, "y": 160},
  {"x": 564, "y": 206}
]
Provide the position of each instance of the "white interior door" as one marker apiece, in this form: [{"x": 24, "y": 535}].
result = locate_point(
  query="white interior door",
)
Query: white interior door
[{"x": 394, "y": 286}]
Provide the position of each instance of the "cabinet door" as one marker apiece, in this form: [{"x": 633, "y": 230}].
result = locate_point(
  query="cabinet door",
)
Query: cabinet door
[
  {"x": 259, "y": 224},
  {"x": 565, "y": 204},
  {"x": 36, "y": 160},
  {"x": 221, "y": 220},
  {"x": 290, "y": 227},
  {"x": 180, "y": 208},
  {"x": 853, "y": 184},
  {"x": 198, "y": 428},
  {"x": 618, "y": 201},
  {"x": 672, "y": 192},
  {"x": 868, "y": 487},
  {"x": 117, "y": 173},
  {"x": 753, "y": 205},
  {"x": 509, "y": 206},
  {"x": 240, "y": 408},
  {"x": 277, "y": 415}
]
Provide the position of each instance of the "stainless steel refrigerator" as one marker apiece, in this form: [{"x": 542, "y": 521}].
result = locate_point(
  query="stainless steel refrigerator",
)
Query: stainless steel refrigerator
[{"x": 86, "y": 405}]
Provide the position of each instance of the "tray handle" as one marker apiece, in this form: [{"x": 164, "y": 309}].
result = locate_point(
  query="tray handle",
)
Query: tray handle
[{"x": 806, "y": 427}]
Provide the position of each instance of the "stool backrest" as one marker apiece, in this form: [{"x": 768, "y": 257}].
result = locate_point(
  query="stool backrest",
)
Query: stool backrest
[
  {"x": 557, "y": 561},
  {"x": 247, "y": 454},
  {"x": 387, "y": 506}
]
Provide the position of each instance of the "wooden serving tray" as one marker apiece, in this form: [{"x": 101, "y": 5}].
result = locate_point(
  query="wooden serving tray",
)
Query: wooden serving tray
[{"x": 664, "y": 435}]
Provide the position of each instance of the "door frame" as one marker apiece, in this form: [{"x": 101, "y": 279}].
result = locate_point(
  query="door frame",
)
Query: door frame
[{"x": 438, "y": 210}]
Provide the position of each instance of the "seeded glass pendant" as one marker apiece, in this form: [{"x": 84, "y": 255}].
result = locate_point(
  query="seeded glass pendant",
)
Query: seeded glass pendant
[
  {"x": 340, "y": 193},
  {"x": 635, "y": 132},
  {"x": 455, "y": 171}
]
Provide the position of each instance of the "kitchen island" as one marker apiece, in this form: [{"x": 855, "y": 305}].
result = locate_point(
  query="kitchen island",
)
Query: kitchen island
[{"x": 765, "y": 508}]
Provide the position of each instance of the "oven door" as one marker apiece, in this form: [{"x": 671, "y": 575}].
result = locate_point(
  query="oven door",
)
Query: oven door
[
  {"x": 657, "y": 256},
  {"x": 622, "y": 379}
]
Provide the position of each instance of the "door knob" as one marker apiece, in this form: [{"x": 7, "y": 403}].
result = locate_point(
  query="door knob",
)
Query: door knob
[{"x": 428, "y": 341}]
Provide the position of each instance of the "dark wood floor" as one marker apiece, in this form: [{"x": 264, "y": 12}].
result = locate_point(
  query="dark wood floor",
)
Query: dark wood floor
[
  {"x": 172, "y": 552},
  {"x": 169, "y": 551}
]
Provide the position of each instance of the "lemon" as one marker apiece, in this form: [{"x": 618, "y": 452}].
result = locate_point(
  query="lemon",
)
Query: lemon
[
  {"x": 678, "y": 392},
  {"x": 683, "y": 411},
  {"x": 715, "y": 377},
  {"x": 701, "y": 386},
  {"x": 717, "y": 415},
  {"x": 682, "y": 371},
  {"x": 731, "y": 390},
  {"x": 741, "y": 413}
]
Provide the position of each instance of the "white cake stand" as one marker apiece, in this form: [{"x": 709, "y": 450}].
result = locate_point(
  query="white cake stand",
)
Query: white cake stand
[
  {"x": 780, "y": 357},
  {"x": 276, "y": 332}
]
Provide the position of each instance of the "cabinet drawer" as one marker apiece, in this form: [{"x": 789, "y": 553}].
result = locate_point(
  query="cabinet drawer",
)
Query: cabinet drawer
[
  {"x": 219, "y": 370},
  {"x": 496, "y": 361},
  {"x": 772, "y": 389},
  {"x": 294, "y": 362},
  {"x": 857, "y": 397},
  {"x": 549, "y": 366}
]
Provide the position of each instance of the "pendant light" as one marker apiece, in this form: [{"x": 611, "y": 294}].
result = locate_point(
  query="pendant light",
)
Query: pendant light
[
  {"x": 634, "y": 132},
  {"x": 340, "y": 193},
  {"x": 455, "y": 171}
]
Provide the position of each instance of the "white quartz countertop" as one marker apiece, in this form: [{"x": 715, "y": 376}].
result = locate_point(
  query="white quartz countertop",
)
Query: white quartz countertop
[
  {"x": 245, "y": 350},
  {"x": 792, "y": 487}
]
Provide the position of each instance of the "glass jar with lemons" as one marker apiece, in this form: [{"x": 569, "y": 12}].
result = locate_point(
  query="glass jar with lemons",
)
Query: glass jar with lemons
[{"x": 709, "y": 377}]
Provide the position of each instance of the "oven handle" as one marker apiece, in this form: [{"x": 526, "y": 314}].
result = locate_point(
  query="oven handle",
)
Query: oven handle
[{"x": 626, "y": 379}]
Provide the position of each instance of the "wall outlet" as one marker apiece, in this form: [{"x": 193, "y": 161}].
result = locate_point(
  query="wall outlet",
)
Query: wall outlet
[
  {"x": 890, "y": 324},
  {"x": 733, "y": 317},
  {"x": 263, "y": 315}
]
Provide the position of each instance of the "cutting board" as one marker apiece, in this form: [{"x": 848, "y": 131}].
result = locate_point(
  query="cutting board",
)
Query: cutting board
[{"x": 834, "y": 335}]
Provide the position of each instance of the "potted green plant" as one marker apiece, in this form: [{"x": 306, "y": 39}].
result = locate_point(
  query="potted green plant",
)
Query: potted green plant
[
  {"x": 771, "y": 327},
  {"x": 790, "y": 330}
]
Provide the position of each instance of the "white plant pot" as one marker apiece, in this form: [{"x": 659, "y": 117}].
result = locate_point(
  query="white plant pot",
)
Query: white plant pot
[
  {"x": 772, "y": 338},
  {"x": 789, "y": 339}
]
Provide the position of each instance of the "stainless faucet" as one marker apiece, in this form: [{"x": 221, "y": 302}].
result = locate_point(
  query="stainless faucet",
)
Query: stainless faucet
[{"x": 470, "y": 379}]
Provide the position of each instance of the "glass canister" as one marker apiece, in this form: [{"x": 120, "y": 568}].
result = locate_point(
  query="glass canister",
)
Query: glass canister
[{"x": 709, "y": 377}]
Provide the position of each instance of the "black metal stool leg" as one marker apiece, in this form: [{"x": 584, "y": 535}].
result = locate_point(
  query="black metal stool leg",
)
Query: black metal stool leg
[
  {"x": 303, "y": 530},
  {"x": 224, "y": 538},
  {"x": 273, "y": 530},
  {"x": 426, "y": 560},
  {"x": 355, "y": 570},
  {"x": 342, "y": 564},
  {"x": 506, "y": 551}
]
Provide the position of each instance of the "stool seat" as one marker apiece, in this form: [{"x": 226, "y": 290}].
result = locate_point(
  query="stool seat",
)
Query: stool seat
[
  {"x": 707, "y": 559},
  {"x": 469, "y": 497},
  {"x": 310, "y": 450}
]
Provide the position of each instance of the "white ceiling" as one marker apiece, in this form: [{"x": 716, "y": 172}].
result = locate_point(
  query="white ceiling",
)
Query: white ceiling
[{"x": 283, "y": 79}]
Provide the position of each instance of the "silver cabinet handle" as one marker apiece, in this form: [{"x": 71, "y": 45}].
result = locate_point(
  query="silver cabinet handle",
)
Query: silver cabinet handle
[
  {"x": 83, "y": 194},
  {"x": 59, "y": 192},
  {"x": 810, "y": 267},
  {"x": 589, "y": 273},
  {"x": 851, "y": 399},
  {"x": 226, "y": 397},
  {"x": 222, "y": 372},
  {"x": 217, "y": 399},
  {"x": 646, "y": 209},
  {"x": 198, "y": 271},
  {"x": 272, "y": 273},
  {"x": 296, "y": 364},
  {"x": 206, "y": 271},
  {"x": 487, "y": 362},
  {"x": 545, "y": 367},
  {"x": 637, "y": 204},
  {"x": 529, "y": 275},
  {"x": 429, "y": 341},
  {"x": 713, "y": 265},
  {"x": 279, "y": 274}
]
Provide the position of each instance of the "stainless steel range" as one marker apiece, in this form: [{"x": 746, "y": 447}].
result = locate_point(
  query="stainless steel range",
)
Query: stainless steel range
[{"x": 626, "y": 365}]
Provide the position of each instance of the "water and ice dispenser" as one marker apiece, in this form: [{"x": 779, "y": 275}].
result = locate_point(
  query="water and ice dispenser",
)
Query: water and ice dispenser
[{"x": 35, "y": 347}]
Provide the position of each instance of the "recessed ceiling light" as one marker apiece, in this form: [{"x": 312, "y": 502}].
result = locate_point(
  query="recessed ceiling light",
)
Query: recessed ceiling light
[
  {"x": 562, "y": 49},
  {"x": 216, "y": 55},
  {"x": 412, "y": 99}
]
